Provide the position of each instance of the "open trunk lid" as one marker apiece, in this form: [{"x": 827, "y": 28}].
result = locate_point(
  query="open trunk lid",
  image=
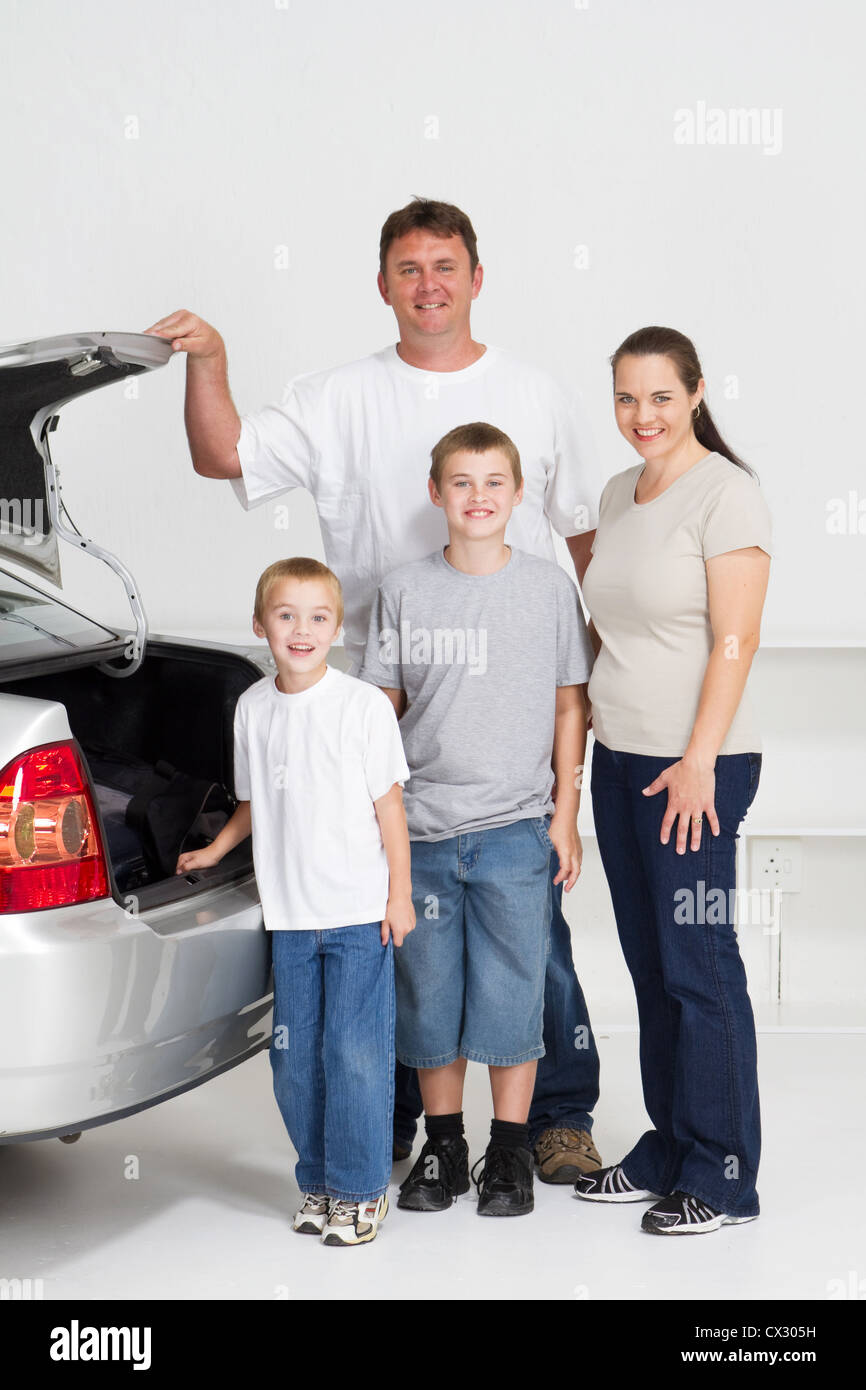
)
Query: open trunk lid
[{"x": 36, "y": 380}]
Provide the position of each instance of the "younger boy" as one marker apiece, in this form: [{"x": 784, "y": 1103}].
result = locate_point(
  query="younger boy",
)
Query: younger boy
[
  {"x": 318, "y": 766},
  {"x": 483, "y": 651}
]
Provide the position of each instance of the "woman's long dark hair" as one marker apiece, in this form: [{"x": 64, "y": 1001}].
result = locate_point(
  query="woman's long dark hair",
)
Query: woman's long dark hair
[{"x": 667, "y": 342}]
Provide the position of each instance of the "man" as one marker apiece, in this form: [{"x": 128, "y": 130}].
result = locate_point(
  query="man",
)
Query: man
[{"x": 358, "y": 437}]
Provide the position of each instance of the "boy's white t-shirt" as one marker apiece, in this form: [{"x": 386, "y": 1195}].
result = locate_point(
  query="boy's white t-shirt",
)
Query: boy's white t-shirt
[
  {"x": 311, "y": 765},
  {"x": 358, "y": 437}
]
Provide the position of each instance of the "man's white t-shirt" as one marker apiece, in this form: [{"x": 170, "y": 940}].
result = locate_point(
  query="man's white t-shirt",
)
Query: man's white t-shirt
[
  {"x": 359, "y": 436},
  {"x": 311, "y": 765}
]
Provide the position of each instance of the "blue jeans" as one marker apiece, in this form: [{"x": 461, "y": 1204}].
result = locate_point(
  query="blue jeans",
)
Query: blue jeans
[
  {"x": 407, "y": 1103},
  {"x": 470, "y": 977},
  {"x": 566, "y": 1082},
  {"x": 567, "y": 1078},
  {"x": 698, "y": 1054},
  {"x": 332, "y": 1055}
]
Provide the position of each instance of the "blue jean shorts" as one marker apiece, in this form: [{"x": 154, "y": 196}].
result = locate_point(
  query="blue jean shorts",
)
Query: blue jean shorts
[{"x": 470, "y": 977}]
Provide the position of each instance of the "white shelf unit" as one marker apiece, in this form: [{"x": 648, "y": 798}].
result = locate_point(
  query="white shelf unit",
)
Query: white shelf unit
[{"x": 810, "y": 704}]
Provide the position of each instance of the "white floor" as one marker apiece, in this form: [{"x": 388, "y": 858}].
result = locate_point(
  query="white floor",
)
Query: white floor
[{"x": 207, "y": 1217}]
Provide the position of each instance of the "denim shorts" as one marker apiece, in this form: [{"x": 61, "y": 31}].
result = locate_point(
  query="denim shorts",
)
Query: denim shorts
[{"x": 470, "y": 977}]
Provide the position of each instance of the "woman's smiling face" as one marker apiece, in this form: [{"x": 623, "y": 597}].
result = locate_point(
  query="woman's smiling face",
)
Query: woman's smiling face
[{"x": 653, "y": 409}]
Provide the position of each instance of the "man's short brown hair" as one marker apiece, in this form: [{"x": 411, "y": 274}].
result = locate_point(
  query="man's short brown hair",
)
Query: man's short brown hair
[
  {"x": 442, "y": 219},
  {"x": 476, "y": 438},
  {"x": 298, "y": 567}
]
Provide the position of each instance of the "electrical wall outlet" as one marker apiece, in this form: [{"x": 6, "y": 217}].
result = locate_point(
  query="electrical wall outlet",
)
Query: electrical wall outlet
[{"x": 776, "y": 863}]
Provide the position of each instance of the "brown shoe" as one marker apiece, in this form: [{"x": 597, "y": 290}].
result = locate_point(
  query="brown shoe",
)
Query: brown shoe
[{"x": 563, "y": 1154}]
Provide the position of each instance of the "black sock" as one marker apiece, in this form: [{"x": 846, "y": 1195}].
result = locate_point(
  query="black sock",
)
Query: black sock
[
  {"x": 444, "y": 1126},
  {"x": 509, "y": 1135}
]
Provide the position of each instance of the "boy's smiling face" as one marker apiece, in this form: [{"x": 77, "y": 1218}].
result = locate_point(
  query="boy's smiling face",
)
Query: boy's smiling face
[
  {"x": 478, "y": 493},
  {"x": 300, "y": 623}
]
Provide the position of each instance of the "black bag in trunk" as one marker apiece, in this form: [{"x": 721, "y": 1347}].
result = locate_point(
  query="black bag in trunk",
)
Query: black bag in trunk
[{"x": 169, "y": 810}]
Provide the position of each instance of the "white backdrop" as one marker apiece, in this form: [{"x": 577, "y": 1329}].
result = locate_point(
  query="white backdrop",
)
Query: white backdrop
[{"x": 179, "y": 153}]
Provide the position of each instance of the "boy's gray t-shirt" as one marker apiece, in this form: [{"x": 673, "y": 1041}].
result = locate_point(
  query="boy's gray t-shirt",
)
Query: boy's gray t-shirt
[{"x": 480, "y": 657}]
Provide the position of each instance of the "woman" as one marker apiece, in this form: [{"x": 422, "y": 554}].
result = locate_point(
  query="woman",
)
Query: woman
[{"x": 675, "y": 587}]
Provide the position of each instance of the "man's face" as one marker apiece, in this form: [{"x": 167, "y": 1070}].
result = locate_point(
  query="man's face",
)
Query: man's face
[
  {"x": 478, "y": 493},
  {"x": 300, "y": 623},
  {"x": 429, "y": 285}
]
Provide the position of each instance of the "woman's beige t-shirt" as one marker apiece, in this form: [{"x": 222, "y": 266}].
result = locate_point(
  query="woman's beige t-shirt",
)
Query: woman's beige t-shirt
[{"x": 646, "y": 588}]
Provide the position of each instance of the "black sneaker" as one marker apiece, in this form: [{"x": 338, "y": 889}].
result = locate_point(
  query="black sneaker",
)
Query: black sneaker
[
  {"x": 505, "y": 1182},
  {"x": 610, "y": 1185},
  {"x": 439, "y": 1176},
  {"x": 681, "y": 1214}
]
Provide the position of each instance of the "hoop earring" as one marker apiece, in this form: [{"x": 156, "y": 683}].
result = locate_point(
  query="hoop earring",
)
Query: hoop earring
[{"x": 696, "y": 411}]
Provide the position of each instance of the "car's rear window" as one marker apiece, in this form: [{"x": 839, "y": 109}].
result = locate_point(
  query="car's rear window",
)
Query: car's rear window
[{"x": 33, "y": 625}]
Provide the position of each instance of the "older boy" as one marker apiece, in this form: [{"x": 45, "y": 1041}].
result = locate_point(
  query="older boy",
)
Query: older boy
[{"x": 483, "y": 650}]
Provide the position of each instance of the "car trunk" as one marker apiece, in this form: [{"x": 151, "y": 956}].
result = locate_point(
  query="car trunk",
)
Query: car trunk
[
  {"x": 135, "y": 706},
  {"x": 178, "y": 707}
]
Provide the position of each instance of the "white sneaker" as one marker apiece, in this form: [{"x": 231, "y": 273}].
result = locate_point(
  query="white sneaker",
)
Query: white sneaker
[
  {"x": 353, "y": 1223},
  {"x": 311, "y": 1216}
]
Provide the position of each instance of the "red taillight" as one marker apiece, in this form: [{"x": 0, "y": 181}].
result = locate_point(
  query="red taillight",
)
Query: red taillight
[{"x": 50, "y": 851}]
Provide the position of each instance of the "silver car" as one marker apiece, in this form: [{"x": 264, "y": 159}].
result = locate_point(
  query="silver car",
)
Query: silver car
[{"x": 122, "y": 984}]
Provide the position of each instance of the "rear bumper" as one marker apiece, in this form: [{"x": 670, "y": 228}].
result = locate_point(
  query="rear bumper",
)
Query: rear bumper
[{"x": 103, "y": 1013}]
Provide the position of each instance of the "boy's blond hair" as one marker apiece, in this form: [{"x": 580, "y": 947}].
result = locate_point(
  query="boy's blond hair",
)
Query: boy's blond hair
[
  {"x": 298, "y": 567},
  {"x": 476, "y": 438}
]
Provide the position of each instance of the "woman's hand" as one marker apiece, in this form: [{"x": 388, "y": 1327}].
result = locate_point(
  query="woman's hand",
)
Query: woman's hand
[{"x": 691, "y": 794}]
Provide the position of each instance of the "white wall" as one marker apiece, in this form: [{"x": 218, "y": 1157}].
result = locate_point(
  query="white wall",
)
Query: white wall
[{"x": 304, "y": 123}]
